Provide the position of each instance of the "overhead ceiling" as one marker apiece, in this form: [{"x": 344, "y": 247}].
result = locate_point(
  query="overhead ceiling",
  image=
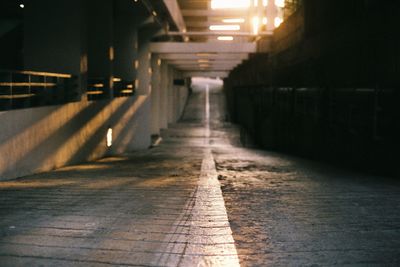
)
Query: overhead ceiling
[{"x": 200, "y": 51}]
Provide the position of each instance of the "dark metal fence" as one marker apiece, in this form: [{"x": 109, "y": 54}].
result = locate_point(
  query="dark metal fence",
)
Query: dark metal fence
[
  {"x": 99, "y": 88},
  {"x": 26, "y": 89}
]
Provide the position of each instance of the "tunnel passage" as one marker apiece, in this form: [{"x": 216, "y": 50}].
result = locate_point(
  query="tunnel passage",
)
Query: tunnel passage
[
  {"x": 164, "y": 178},
  {"x": 199, "y": 197}
]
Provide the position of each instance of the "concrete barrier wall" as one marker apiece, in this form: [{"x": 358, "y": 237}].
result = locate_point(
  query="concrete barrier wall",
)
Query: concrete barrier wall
[
  {"x": 41, "y": 139},
  {"x": 356, "y": 127}
]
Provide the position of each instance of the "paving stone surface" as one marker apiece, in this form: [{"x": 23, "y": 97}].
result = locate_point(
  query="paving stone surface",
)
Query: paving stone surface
[
  {"x": 298, "y": 213},
  {"x": 160, "y": 207},
  {"x": 199, "y": 199}
]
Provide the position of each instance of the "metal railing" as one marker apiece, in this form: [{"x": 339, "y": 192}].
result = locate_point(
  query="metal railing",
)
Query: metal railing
[
  {"x": 123, "y": 88},
  {"x": 26, "y": 89},
  {"x": 98, "y": 88}
]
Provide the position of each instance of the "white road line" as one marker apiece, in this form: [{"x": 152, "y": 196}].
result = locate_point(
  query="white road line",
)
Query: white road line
[
  {"x": 208, "y": 239},
  {"x": 207, "y": 111},
  {"x": 209, "y": 187}
]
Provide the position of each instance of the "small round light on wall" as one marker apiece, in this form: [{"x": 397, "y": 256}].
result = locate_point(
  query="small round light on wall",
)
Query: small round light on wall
[
  {"x": 109, "y": 137},
  {"x": 22, "y": 6}
]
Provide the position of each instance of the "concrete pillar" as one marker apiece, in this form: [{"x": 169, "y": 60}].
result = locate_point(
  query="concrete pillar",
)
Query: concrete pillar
[
  {"x": 171, "y": 98},
  {"x": 143, "y": 82},
  {"x": 155, "y": 94},
  {"x": 176, "y": 97},
  {"x": 125, "y": 46},
  {"x": 144, "y": 71},
  {"x": 100, "y": 15},
  {"x": 163, "y": 115},
  {"x": 54, "y": 39}
]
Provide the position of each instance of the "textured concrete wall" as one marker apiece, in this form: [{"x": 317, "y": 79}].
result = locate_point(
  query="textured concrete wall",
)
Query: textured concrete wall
[
  {"x": 328, "y": 88},
  {"x": 41, "y": 139},
  {"x": 103, "y": 42}
]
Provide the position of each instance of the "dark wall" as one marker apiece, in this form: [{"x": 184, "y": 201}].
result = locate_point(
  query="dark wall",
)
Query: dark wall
[
  {"x": 11, "y": 35},
  {"x": 358, "y": 127},
  {"x": 329, "y": 87},
  {"x": 53, "y": 36}
]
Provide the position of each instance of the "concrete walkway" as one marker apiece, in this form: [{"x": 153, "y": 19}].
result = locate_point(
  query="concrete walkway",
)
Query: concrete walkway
[{"x": 165, "y": 207}]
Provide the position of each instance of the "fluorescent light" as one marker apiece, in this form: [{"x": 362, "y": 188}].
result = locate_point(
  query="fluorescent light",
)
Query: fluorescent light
[
  {"x": 225, "y": 27},
  {"x": 203, "y": 61},
  {"x": 265, "y": 2},
  {"x": 225, "y": 38},
  {"x": 280, "y": 3},
  {"x": 225, "y": 4},
  {"x": 278, "y": 21},
  {"x": 238, "y": 20}
]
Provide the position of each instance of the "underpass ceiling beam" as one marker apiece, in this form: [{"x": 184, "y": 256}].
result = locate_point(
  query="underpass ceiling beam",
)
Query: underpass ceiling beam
[
  {"x": 210, "y": 74},
  {"x": 190, "y": 48},
  {"x": 176, "y": 14}
]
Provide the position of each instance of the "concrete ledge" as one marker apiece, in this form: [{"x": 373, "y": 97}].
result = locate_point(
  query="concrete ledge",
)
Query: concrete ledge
[{"x": 41, "y": 139}]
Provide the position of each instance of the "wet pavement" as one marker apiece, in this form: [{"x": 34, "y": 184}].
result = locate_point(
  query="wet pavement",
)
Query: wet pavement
[{"x": 199, "y": 199}]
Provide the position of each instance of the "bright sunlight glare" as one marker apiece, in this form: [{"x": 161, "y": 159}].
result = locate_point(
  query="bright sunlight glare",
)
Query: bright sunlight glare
[
  {"x": 225, "y": 4},
  {"x": 280, "y": 3},
  {"x": 238, "y": 20},
  {"x": 256, "y": 25},
  {"x": 278, "y": 21},
  {"x": 225, "y": 27}
]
